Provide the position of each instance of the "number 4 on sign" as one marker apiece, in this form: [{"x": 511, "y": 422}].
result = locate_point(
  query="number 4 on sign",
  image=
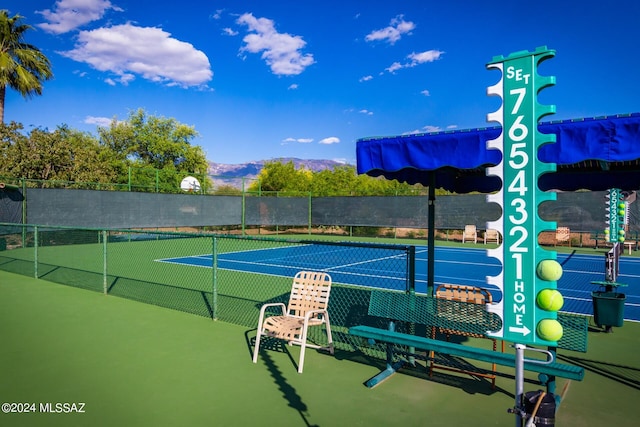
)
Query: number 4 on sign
[{"x": 518, "y": 184}]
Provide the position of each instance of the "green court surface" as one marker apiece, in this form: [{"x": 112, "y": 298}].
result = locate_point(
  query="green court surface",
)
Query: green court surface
[{"x": 134, "y": 364}]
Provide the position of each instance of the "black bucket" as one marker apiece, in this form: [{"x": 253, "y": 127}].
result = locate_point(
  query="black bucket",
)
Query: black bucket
[
  {"x": 608, "y": 308},
  {"x": 546, "y": 414}
]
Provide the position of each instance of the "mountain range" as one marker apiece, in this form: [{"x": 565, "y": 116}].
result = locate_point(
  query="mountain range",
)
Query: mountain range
[{"x": 233, "y": 174}]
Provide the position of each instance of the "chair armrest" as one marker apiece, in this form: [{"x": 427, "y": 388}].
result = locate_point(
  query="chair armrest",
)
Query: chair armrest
[
  {"x": 310, "y": 314},
  {"x": 264, "y": 307}
]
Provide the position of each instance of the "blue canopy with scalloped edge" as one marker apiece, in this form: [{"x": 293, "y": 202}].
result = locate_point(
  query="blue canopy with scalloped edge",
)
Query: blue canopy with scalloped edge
[{"x": 593, "y": 154}]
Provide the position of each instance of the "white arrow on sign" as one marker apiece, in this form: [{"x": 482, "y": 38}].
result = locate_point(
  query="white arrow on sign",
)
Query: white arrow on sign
[{"x": 523, "y": 330}]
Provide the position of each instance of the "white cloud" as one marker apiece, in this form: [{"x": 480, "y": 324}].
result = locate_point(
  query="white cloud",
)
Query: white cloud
[
  {"x": 422, "y": 57},
  {"x": 366, "y": 78},
  {"x": 397, "y": 27},
  {"x": 298, "y": 140},
  {"x": 67, "y": 15},
  {"x": 329, "y": 140},
  {"x": 218, "y": 14},
  {"x": 451, "y": 127},
  {"x": 129, "y": 51},
  {"x": 425, "y": 92},
  {"x": 394, "y": 67},
  {"x": 100, "y": 121},
  {"x": 229, "y": 32},
  {"x": 281, "y": 51},
  {"x": 293, "y": 87},
  {"x": 367, "y": 112},
  {"x": 415, "y": 59},
  {"x": 424, "y": 129}
]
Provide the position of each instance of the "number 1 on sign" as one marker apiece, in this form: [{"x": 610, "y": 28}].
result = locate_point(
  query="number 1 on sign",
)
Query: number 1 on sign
[{"x": 517, "y": 257}]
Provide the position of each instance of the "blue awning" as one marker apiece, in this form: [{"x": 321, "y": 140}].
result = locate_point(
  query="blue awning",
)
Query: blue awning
[{"x": 593, "y": 153}]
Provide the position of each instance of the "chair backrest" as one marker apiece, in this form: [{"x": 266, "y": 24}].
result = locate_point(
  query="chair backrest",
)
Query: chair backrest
[
  {"x": 491, "y": 234},
  {"x": 470, "y": 230},
  {"x": 310, "y": 291},
  {"x": 461, "y": 310},
  {"x": 464, "y": 293},
  {"x": 563, "y": 234}
]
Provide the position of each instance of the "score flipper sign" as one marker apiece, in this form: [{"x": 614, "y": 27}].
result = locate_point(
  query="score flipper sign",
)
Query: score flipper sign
[
  {"x": 617, "y": 216},
  {"x": 519, "y": 198}
]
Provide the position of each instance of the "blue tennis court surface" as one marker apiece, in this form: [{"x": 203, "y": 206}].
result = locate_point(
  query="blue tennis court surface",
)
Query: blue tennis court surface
[{"x": 464, "y": 266}]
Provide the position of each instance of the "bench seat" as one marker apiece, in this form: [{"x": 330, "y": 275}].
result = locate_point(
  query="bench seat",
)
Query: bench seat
[{"x": 506, "y": 359}]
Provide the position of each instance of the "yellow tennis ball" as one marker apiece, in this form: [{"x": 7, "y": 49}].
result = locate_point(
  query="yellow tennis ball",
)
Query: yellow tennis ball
[
  {"x": 549, "y": 269},
  {"x": 550, "y": 300},
  {"x": 549, "y": 330}
]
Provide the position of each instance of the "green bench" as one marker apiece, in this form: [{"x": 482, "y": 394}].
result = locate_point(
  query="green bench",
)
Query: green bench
[{"x": 416, "y": 309}]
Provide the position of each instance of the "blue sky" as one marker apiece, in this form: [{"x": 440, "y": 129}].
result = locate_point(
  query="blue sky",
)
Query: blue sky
[{"x": 268, "y": 79}]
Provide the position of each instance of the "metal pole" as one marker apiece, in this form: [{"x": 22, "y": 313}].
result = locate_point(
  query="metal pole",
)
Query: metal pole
[
  {"x": 24, "y": 212},
  {"x": 411, "y": 289},
  {"x": 104, "y": 261},
  {"x": 35, "y": 251},
  {"x": 309, "y": 212},
  {"x": 244, "y": 195},
  {"x": 519, "y": 382},
  {"x": 431, "y": 246},
  {"x": 214, "y": 290}
]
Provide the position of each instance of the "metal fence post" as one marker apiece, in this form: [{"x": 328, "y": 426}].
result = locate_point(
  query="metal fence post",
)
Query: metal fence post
[
  {"x": 104, "y": 261},
  {"x": 214, "y": 290},
  {"x": 310, "y": 196},
  {"x": 244, "y": 195},
  {"x": 35, "y": 251}
]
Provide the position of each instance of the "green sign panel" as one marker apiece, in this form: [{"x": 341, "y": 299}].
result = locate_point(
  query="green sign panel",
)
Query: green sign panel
[
  {"x": 520, "y": 254},
  {"x": 616, "y": 213}
]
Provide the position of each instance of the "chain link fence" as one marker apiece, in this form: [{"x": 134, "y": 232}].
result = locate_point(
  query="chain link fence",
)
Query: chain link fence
[
  {"x": 229, "y": 278},
  {"x": 252, "y": 213},
  {"x": 220, "y": 277}
]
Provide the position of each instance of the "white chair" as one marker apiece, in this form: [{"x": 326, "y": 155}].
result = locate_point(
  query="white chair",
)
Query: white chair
[
  {"x": 470, "y": 234},
  {"x": 471, "y": 303},
  {"x": 491, "y": 236},
  {"x": 563, "y": 235},
  {"x": 307, "y": 306}
]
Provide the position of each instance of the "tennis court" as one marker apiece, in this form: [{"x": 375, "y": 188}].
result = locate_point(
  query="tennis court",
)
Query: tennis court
[{"x": 465, "y": 266}]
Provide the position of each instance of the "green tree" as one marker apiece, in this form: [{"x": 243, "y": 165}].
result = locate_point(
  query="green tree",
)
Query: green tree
[
  {"x": 64, "y": 154},
  {"x": 283, "y": 177},
  {"x": 22, "y": 66},
  {"x": 339, "y": 181},
  {"x": 160, "y": 146},
  {"x": 342, "y": 180}
]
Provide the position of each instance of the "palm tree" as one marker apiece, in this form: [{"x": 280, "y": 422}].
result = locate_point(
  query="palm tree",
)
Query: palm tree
[{"x": 22, "y": 66}]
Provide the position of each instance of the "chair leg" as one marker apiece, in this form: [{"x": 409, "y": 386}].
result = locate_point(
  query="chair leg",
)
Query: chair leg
[
  {"x": 329, "y": 337},
  {"x": 303, "y": 345},
  {"x": 256, "y": 348},
  {"x": 432, "y": 354},
  {"x": 301, "y": 361},
  {"x": 259, "y": 332}
]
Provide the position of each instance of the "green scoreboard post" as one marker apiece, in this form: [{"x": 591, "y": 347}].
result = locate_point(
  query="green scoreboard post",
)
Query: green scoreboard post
[
  {"x": 527, "y": 268},
  {"x": 617, "y": 216}
]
